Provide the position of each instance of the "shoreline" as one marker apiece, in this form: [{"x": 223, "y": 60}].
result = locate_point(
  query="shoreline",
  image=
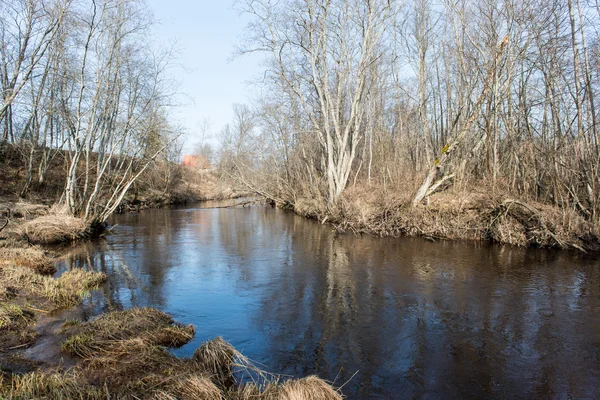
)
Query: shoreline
[
  {"x": 43, "y": 313},
  {"x": 473, "y": 217},
  {"x": 64, "y": 329}
]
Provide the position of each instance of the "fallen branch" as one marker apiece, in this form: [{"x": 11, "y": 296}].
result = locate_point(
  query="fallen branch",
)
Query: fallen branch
[
  {"x": 243, "y": 204},
  {"x": 439, "y": 183}
]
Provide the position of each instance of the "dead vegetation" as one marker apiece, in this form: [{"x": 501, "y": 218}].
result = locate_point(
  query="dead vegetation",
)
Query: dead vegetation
[
  {"x": 32, "y": 257},
  {"x": 25, "y": 210},
  {"x": 55, "y": 293},
  {"x": 124, "y": 356},
  {"x": 464, "y": 215},
  {"x": 53, "y": 229},
  {"x": 25, "y": 292},
  {"x": 26, "y": 224},
  {"x": 14, "y": 326}
]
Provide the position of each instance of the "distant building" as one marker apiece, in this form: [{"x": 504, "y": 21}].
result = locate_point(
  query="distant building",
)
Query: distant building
[{"x": 199, "y": 162}]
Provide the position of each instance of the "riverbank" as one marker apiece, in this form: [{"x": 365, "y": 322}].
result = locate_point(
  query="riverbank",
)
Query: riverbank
[
  {"x": 162, "y": 184},
  {"x": 475, "y": 215},
  {"x": 125, "y": 355},
  {"x": 121, "y": 354}
]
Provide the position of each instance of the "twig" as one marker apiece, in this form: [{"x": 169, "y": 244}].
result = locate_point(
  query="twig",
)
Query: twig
[
  {"x": 348, "y": 381},
  {"x": 20, "y": 346},
  {"x": 38, "y": 310}
]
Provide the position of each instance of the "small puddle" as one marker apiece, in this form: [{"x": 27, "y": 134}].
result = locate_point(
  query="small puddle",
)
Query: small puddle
[{"x": 46, "y": 349}]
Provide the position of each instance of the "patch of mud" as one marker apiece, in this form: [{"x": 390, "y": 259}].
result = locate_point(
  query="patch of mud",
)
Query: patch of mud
[{"x": 47, "y": 348}]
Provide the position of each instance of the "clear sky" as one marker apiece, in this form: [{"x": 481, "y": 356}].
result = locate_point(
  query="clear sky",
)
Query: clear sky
[{"x": 205, "y": 33}]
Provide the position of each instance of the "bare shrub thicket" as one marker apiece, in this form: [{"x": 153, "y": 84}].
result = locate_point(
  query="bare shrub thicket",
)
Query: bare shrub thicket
[
  {"x": 82, "y": 83},
  {"x": 416, "y": 97}
]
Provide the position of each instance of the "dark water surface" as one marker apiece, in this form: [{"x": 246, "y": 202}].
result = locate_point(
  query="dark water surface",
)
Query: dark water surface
[{"x": 407, "y": 318}]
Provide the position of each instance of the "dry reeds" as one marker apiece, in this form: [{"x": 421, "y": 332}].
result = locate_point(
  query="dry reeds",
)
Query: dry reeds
[
  {"x": 55, "y": 386},
  {"x": 465, "y": 215},
  {"x": 217, "y": 358},
  {"x": 197, "y": 387},
  {"x": 27, "y": 210},
  {"x": 124, "y": 356},
  {"x": 117, "y": 333}
]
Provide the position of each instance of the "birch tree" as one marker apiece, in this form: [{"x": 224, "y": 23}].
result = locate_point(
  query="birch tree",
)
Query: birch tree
[{"x": 323, "y": 51}]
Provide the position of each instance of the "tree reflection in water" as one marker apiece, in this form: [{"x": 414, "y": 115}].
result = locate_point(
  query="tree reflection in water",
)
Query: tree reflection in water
[{"x": 411, "y": 318}]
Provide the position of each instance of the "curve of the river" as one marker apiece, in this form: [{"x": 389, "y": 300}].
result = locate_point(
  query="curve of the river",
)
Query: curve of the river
[{"x": 386, "y": 318}]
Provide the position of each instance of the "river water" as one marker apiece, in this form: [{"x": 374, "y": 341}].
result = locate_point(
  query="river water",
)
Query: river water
[{"x": 385, "y": 318}]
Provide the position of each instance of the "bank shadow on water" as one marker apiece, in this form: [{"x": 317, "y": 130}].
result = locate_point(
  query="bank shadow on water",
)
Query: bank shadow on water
[{"x": 404, "y": 318}]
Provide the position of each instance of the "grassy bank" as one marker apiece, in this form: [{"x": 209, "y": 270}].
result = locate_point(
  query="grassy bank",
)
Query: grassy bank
[
  {"x": 25, "y": 294},
  {"x": 474, "y": 214},
  {"x": 117, "y": 355},
  {"x": 122, "y": 355}
]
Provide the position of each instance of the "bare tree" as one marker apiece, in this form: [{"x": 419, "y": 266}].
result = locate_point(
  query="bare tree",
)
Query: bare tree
[{"x": 323, "y": 52}]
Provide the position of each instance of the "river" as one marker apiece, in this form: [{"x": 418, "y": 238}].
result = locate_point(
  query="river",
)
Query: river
[{"x": 386, "y": 318}]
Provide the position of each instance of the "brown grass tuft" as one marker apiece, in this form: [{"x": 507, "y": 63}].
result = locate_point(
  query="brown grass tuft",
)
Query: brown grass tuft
[
  {"x": 197, "y": 387},
  {"x": 137, "y": 331},
  {"x": 54, "y": 229},
  {"x": 217, "y": 357},
  {"x": 27, "y": 210},
  {"x": 124, "y": 356},
  {"x": 66, "y": 291},
  {"x": 311, "y": 388},
  {"x": 29, "y": 257},
  {"x": 13, "y": 316},
  {"x": 56, "y": 386},
  {"x": 14, "y": 329}
]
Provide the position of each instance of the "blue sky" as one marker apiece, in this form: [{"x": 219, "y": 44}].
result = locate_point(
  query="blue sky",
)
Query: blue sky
[{"x": 205, "y": 34}]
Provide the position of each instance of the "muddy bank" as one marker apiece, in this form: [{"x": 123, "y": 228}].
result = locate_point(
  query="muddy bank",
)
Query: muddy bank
[{"x": 473, "y": 216}]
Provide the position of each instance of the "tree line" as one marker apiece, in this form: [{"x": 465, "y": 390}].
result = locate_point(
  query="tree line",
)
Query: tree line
[
  {"x": 81, "y": 84},
  {"x": 420, "y": 96}
]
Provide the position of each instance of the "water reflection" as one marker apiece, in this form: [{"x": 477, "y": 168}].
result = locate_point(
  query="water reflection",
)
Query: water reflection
[{"x": 402, "y": 318}]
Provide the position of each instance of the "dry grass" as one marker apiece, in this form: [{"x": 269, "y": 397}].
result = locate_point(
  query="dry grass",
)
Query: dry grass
[
  {"x": 124, "y": 357},
  {"x": 454, "y": 214},
  {"x": 217, "y": 357},
  {"x": 117, "y": 332},
  {"x": 308, "y": 388},
  {"x": 196, "y": 387},
  {"x": 55, "y": 386},
  {"x": 53, "y": 229},
  {"x": 32, "y": 257},
  {"x": 66, "y": 291},
  {"x": 28, "y": 210},
  {"x": 13, "y": 316},
  {"x": 14, "y": 329}
]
